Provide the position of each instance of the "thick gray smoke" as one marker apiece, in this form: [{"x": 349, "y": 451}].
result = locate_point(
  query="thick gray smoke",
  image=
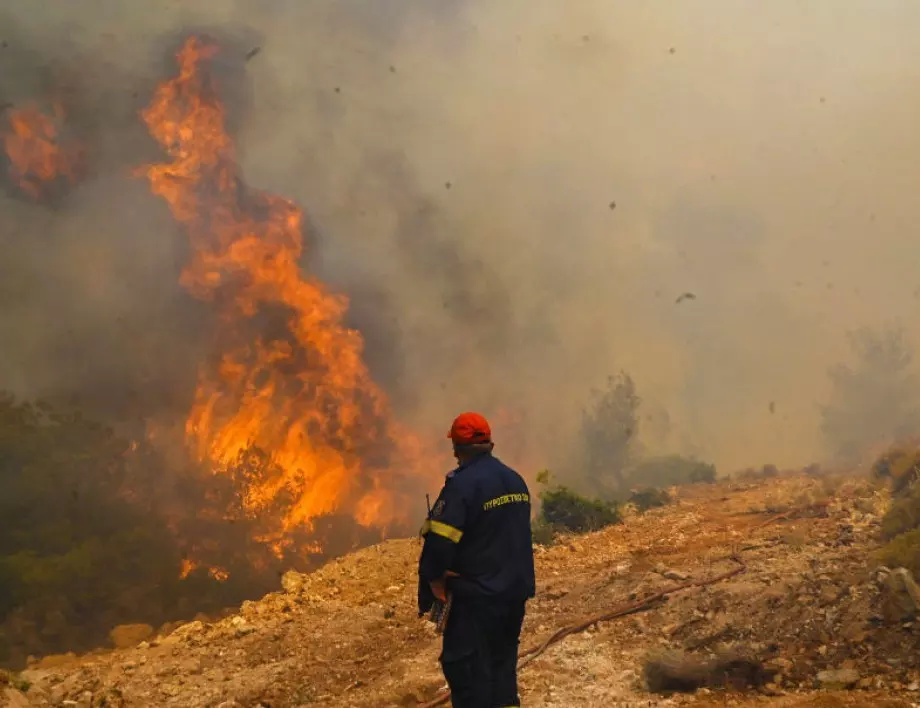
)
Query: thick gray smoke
[{"x": 513, "y": 194}]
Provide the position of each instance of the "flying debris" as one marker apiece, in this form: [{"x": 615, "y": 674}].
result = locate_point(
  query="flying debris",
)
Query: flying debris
[
  {"x": 685, "y": 296},
  {"x": 41, "y": 156}
]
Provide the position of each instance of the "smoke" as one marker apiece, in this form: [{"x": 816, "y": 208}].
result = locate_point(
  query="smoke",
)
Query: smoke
[{"x": 513, "y": 195}]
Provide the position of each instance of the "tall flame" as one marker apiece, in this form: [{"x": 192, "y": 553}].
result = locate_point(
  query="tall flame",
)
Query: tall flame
[
  {"x": 38, "y": 157},
  {"x": 288, "y": 379}
]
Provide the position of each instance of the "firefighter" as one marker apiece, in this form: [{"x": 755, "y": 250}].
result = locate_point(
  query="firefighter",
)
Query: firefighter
[{"x": 478, "y": 550}]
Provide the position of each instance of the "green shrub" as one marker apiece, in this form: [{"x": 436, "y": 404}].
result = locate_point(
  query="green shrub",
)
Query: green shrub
[
  {"x": 8, "y": 678},
  {"x": 903, "y": 552},
  {"x": 903, "y": 516},
  {"x": 542, "y": 533},
  {"x": 566, "y": 509},
  {"x": 646, "y": 499},
  {"x": 901, "y": 525},
  {"x": 669, "y": 471}
]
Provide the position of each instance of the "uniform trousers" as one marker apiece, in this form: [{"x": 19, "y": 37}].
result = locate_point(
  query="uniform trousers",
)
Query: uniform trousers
[{"x": 480, "y": 652}]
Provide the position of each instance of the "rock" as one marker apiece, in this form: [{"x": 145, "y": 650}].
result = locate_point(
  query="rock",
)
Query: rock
[
  {"x": 168, "y": 628},
  {"x": 125, "y": 636},
  {"x": 838, "y": 678},
  {"x": 828, "y": 595},
  {"x": 170, "y": 689},
  {"x": 675, "y": 575},
  {"x": 186, "y": 630},
  {"x": 680, "y": 672},
  {"x": 900, "y": 596},
  {"x": 293, "y": 582}
]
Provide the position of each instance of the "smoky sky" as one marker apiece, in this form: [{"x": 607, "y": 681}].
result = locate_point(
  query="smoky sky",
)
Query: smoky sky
[{"x": 512, "y": 195}]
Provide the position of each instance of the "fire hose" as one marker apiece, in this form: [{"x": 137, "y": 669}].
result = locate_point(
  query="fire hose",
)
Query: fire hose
[{"x": 529, "y": 655}]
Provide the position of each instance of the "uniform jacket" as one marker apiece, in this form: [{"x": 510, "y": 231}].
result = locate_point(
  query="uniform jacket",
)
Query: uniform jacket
[{"x": 479, "y": 528}]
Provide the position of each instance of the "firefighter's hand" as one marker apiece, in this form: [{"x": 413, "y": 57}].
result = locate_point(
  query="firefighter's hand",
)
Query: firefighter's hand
[
  {"x": 425, "y": 598},
  {"x": 439, "y": 589}
]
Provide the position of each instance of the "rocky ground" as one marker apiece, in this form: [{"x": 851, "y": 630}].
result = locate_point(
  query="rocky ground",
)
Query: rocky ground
[{"x": 811, "y": 606}]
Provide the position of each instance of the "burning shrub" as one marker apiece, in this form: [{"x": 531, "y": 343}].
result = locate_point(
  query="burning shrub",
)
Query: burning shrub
[
  {"x": 42, "y": 156},
  {"x": 80, "y": 550}
]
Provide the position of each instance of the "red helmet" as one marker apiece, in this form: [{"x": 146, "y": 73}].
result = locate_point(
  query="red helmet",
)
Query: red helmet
[{"x": 469, "y": 429}]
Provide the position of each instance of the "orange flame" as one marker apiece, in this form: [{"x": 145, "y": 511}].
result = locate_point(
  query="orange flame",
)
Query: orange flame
[
  {"x": 189, "y": 566},
  {"x": 38, "y": 157},
  {"x": 218, "y": 574},
  {"x": 288, "y": 379}
]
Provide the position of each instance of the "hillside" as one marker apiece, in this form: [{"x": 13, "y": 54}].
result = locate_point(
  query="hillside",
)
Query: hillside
[{"x": 809, "y": 600}]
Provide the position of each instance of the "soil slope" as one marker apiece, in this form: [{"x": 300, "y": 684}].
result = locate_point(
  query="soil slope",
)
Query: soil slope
[{"x": 809, "y": 601}]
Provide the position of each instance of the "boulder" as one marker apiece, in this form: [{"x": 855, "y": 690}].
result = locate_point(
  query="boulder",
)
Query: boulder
[
  {"x": 676, "y": 671},
  {"x": 900, "y": 595},
  {"x": 293, "y": 582},
  {"x": 836, "y": 679}
]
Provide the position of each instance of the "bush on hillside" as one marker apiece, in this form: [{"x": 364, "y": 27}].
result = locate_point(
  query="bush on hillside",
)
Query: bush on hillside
[
  {"x": 903, "y": 552},
  {"x": 900, "y": 466},
  {"x": 904, "y": 514},
  {"x": 86, "y": 542},
  {"x": 565, "y": 509},
  {"x": 670, "y": 471},
  {"x": 756, "y": 474},
  {"x": 646, "y": 499},
  {"x": 901, "y": 524},
  {"x": 542, "y": 533}
]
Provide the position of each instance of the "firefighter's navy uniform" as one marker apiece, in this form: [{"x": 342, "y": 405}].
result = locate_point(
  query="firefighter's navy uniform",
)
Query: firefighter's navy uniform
[{"x": 479, "y": 529}]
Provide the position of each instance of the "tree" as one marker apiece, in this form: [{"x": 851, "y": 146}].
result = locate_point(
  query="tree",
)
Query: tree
[
  {"x": 86, "y": 544},
  {"x": 875, "y": 399},
  {"x": 609, "y": 429}
]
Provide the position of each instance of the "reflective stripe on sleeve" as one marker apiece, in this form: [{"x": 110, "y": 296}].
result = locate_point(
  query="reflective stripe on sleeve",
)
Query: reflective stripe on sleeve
[{"x": 442, "y": 529}]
